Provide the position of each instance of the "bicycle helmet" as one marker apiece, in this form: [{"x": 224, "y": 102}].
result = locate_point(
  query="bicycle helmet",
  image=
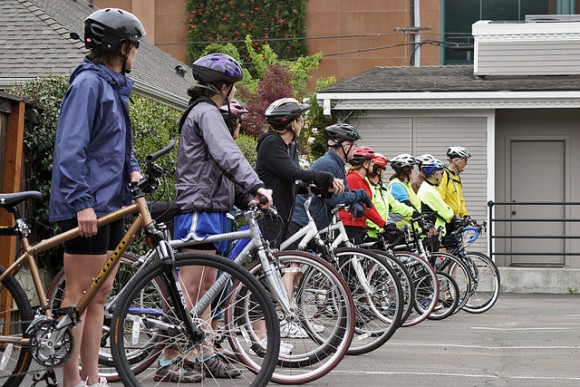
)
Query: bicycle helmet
[
  {"x": 283, "y": 111},
  {"x": 237, "y": 110},
  {"x": 402, "y": 161},
  {"x": 108, "y": 28},
  {"x": 432, "y": 166},
  {"x": 380, "y": 160},
  {"x": 342, "y": 132},
  {"x": 361, "y": 154},
  {"x": 458, "y": 151},
  {"x": 424, "y": 158},
  {"x": 217, "y": 67}
]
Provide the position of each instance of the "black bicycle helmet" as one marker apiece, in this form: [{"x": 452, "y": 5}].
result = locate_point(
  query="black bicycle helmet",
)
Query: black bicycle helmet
[
  {"x": 108, "y": 28},
  {"x": 283, "y": 111},
  {"x": 217, "y": 67},
  {"x": 342, "y": 132}
]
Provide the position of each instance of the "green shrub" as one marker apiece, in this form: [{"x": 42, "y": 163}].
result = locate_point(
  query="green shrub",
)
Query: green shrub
[{"x": 248, "y": 146}]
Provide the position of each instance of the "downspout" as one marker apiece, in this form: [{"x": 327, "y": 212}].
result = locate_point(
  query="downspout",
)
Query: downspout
[{"x": 416, "y": 9}]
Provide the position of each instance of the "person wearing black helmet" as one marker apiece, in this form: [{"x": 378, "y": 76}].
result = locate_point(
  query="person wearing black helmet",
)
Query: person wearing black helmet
[
  {"x": 341, "y": 142},
  {"x": 93, "y": 167},
  {"x": 278, "y": 167},
  {"x": 212, "y": 176}
]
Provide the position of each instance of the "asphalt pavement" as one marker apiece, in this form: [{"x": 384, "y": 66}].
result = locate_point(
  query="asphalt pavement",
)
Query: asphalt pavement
[{"x": 528, "y": 340}]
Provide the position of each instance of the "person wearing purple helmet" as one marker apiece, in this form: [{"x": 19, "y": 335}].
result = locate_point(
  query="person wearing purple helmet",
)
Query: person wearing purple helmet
[
  {"x": 212, "y": 176},
  {"x": 93, "y": 167}
]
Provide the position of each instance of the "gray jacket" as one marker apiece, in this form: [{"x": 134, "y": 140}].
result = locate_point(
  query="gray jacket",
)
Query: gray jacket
[{"x": 209, "y": 163}]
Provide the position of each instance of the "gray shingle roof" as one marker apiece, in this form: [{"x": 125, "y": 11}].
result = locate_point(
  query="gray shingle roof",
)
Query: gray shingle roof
[
  {"x": 35, "y": 41},
  {"x": 446, "y": 79}
]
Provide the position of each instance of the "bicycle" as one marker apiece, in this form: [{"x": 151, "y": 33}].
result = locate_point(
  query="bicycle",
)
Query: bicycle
[
  {"x": 376, "y": 290},
  {"x": 44, "y": 334}
]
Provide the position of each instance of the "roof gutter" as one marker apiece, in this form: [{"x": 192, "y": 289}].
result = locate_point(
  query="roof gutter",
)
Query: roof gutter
[
  {"x": 141, "y": 88},
  {"x": 447, "y": 100}
]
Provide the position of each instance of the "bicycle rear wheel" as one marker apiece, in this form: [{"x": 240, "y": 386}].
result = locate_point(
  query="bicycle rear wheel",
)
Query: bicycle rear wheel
[
  {"x": 160, "y": 318},
  {"x": 324, "y": 312},
  {"x": 15, "y": 317}
]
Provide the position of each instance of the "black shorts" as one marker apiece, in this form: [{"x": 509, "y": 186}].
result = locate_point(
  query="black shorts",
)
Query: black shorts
[{"x": 107, "y": 238}]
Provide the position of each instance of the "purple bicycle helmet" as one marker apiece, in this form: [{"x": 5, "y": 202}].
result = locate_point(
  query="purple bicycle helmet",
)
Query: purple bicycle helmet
[
  {"x": 217, "y": 67},
  {"x": 108, "y": 28}
]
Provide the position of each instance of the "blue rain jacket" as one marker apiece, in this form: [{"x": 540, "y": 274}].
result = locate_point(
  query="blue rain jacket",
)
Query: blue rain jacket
[{"x": 93, "y": 157}]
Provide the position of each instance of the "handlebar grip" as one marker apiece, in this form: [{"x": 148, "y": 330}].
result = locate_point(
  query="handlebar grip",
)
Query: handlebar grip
[
  {"x": 161, "y": 152},
  {"x": 263, "y": 200}
]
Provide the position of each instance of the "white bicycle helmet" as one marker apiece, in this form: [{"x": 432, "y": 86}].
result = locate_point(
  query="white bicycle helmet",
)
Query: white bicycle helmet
[
  {"x": 402, "y": 161},
  {"x": 424, "y": 158},
  {"x": 458, "y": 151}
]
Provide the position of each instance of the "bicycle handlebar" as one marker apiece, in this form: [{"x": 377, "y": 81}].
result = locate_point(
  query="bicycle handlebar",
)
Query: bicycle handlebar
[{"x": 154, "y": 156}]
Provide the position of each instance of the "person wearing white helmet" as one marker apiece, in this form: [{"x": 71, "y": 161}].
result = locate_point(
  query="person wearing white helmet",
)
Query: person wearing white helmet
[
  {"x": 400, "y": 186},
  {"x": 451, "y": 187},
  {"x": 420, "y": 177}
]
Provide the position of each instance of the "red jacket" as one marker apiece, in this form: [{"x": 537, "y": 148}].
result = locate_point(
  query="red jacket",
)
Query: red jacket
[{"x": 356, "y": 181}]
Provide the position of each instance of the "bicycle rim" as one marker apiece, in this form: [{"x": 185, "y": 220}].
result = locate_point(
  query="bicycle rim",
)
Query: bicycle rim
[
  {"x": 379, "y": 301},
  {"x": 486, "y": 289},
  {"x": 324, "y": 313},
  {"x": 448, "y": 300},
  {"x": 137, "y": 321}
]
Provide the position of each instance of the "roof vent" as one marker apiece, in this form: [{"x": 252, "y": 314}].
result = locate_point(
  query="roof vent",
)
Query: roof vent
[{"x": 534, "y": 47}]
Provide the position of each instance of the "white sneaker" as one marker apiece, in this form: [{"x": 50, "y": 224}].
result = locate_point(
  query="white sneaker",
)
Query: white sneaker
[
  {"x": 259, "y": 348},
  {"x": 101, "y": 383},
  {"x": 317, "y": 328},
  {"x": 292, "y": 330}
]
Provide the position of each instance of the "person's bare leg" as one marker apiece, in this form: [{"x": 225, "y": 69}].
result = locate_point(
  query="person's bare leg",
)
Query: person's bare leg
[{"x": 80, "y": 271}]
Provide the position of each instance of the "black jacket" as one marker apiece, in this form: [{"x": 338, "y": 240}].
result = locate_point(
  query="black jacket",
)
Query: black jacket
[{"x": 278, "y": 167}]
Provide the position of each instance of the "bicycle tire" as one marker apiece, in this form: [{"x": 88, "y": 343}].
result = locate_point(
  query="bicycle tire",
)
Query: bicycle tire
[
  {"x": 456, "y": 268},
  {"x": 448, "y": 300},
  {"x": 378, "y": 312},
  {"x": 15, "y": 360},
  {"x": 140, "y": 360},
  {"x": 488, "y": 284},
  {"x": 320, "y": 295},
  {"x": 426, "y": 286},
  {"x": 171, "y": 329},
  {"x": 406, "y": 282}
]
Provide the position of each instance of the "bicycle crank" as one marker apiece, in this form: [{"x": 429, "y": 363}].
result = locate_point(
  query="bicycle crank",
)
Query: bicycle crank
[{"x": 47, "y": 351}]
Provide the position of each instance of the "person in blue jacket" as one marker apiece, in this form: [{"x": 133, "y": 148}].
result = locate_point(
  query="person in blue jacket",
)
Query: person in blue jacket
[
  {"x": 93, "y": 167},
  {"x": 342, "y": 140}
]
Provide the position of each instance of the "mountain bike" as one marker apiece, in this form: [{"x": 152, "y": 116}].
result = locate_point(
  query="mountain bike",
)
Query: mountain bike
[{"x": 44, "y": 334}]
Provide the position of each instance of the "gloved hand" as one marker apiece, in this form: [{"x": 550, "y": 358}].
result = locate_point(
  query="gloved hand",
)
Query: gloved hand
[
  {"x": 391, "y": 228},
  {"x": 456, "y": 221},
  {"x": 358, "y": 210},
  {"x": 364, "y": 197},
  {"x": 467, "y": 220}
]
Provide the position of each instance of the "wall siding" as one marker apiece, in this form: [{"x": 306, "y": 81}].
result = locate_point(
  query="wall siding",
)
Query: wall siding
[{"x": 424, "y": 133}]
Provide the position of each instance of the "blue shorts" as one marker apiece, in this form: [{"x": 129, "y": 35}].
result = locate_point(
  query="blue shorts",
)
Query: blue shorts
[{"x": 197, "y": 225}]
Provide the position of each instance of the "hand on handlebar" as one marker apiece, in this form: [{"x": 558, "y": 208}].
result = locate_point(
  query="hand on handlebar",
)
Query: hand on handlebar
[
  {"x": 263, "y": 198},
  {"x": 337, "y": 187}
]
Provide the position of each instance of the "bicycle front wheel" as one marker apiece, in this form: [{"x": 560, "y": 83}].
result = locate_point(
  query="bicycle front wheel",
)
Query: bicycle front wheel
[
  {"x": 142, "y": 316},
  {"x": 487, "y": 283},
  {"x": 448, "y": 297},
  {"x": 321, "y": 329},
  {"x": 15, "y": 316}
]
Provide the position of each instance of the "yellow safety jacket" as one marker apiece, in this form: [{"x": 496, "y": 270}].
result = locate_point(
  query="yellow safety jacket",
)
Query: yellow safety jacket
[
  {"x": 451, "y": 191},
  {"x": 431, "y": 201},
  {"x": 385, "y": 203}
]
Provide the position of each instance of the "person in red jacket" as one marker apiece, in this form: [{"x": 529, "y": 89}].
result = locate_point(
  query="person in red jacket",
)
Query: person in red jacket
[{"x": 355, "y": 220}]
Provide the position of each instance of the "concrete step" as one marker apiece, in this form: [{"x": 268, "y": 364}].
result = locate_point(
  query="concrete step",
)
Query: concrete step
[{"x": 539, "y": 280}]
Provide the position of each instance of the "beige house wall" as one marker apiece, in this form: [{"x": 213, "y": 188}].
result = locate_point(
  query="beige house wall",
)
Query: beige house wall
[{"x": 345, "y": 57}]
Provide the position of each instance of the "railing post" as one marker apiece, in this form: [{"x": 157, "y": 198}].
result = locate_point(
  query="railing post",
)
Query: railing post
[{"x": 490, "y": 230}]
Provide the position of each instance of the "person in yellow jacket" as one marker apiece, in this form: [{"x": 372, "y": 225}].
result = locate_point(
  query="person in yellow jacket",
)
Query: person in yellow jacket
[
  {"x": 431, "y": 200},
  {"x": 383, "y": 201},
  {"x": 451, "y": 187}
]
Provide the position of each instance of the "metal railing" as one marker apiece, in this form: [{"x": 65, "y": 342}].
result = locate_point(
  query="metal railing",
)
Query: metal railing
[{"x": 492, "y": 221}]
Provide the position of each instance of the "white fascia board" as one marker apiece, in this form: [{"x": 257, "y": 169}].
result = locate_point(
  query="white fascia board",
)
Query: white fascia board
[
  {"x": 486, "y": 30},
  {"x": 450, "y": 100}
]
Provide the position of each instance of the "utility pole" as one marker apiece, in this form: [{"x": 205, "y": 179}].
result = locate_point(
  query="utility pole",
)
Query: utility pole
[{"x": 415, "y": 59}]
